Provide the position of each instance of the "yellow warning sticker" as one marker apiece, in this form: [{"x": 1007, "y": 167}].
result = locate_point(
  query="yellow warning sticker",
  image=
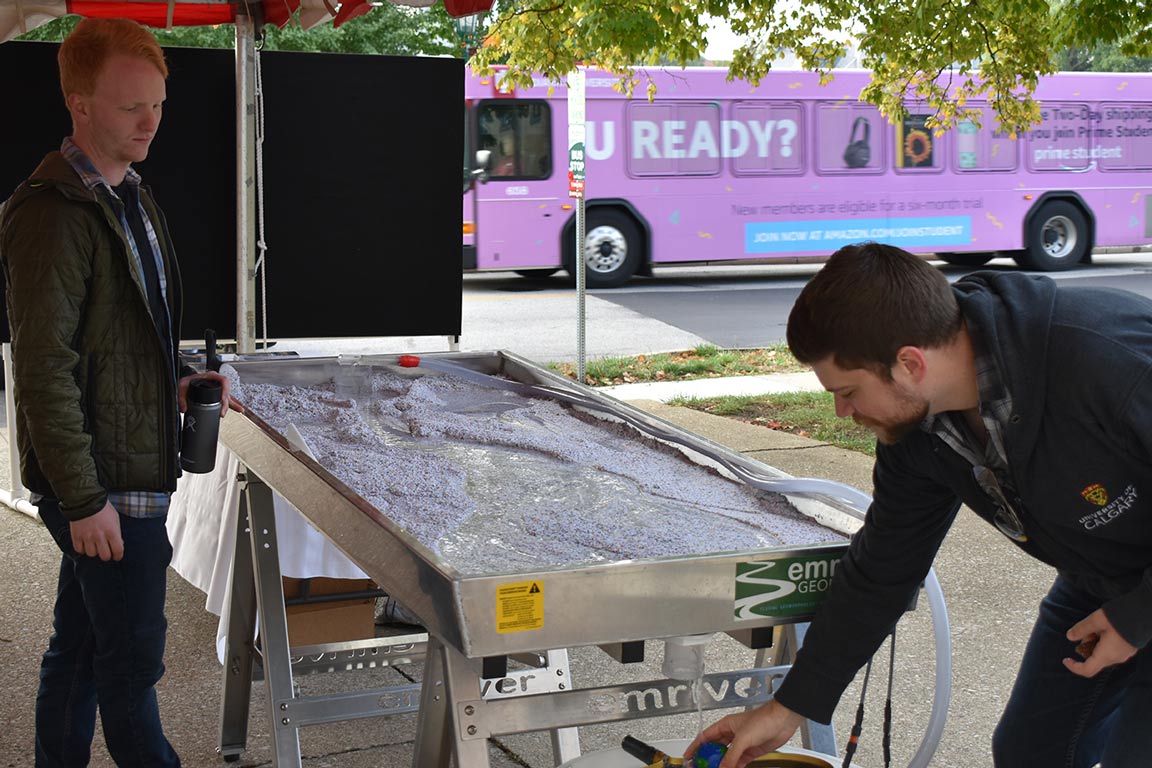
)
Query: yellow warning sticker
[{"x": 520, "y": 606}]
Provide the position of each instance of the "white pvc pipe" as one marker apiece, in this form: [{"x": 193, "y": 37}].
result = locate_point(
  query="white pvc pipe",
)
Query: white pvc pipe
[
  {"x": 18, "y": 503},
  {"x": 10, "y": 423},
  {"x": 14, "y": 497}
]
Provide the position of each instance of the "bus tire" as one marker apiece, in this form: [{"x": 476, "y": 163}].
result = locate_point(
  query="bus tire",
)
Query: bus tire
[
  {"x": 1057, "y": 239},
  {"x": 967, "y": 259},
  {"x": 612, "y": 249}
]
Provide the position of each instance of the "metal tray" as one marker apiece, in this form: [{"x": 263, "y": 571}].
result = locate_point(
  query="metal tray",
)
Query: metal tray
[{"x": 571, "y": 606}]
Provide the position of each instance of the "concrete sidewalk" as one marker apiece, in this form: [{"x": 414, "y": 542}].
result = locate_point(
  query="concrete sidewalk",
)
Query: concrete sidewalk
[
  {"x": 732, "y": 386},
  {"x": 991, "y": 592}
]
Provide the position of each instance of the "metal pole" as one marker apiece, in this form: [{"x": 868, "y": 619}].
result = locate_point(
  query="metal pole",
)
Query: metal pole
[
  {"x": 580, "y": 281},
  {"x": 576, "y": 181},
  {"x": 245, "y": 183}
]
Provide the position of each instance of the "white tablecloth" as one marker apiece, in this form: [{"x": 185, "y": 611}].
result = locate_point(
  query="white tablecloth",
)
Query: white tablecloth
[{"x": 202, "y": 528}]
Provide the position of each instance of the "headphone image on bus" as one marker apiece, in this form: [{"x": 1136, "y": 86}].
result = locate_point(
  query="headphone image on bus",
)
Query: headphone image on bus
[{"x": 858, "y": 152}]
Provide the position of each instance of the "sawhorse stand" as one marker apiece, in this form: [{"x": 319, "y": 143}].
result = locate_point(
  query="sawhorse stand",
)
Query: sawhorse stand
[{"x": 256, "y": 598}]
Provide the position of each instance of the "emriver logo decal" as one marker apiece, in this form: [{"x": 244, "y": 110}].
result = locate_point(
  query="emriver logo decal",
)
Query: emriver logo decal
[
  {"x": 790, "y": 586},
  {"x": 1095, "y": 493},
  {"x": 1109, "y": 510}
]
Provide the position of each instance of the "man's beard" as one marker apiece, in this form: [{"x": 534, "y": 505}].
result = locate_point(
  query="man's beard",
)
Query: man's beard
[{"x": 910, "y": 413}]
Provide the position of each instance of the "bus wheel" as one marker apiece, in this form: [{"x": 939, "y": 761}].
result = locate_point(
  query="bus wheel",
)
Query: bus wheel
[
  {"x": 611, "y": 249},
  {"x": 1057, "y": 238},
  {"x": 967, "y": 259}
]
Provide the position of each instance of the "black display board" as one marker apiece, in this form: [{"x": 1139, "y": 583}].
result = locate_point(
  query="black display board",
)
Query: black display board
[{"x": 362, "y": 171}]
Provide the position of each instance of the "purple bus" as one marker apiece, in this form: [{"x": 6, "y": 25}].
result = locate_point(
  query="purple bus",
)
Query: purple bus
[{"x": 718, "y": 171}]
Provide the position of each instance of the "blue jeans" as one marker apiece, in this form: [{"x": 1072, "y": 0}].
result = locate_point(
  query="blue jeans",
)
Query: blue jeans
[
  {"x": 106, "y": 650},
  {"x": 1055, "y": 719}
]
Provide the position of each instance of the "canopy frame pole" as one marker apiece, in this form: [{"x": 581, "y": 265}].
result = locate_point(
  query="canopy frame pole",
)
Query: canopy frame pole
[{"x": 245, "y": 181}]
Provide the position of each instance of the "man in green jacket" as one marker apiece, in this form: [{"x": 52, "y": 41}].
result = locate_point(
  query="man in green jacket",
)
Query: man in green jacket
[{"x": 93, "y": 292}]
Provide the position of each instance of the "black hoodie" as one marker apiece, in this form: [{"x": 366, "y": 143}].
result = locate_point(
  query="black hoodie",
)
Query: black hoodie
[{"x": 1077, "y": 363}]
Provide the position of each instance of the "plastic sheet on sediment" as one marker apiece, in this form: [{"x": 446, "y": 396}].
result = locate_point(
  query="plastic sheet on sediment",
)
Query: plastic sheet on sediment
[{"x": 493, "y": 480}]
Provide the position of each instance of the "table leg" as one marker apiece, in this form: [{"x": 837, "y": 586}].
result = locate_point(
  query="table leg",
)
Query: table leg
[{"x": 239, "y": 644}]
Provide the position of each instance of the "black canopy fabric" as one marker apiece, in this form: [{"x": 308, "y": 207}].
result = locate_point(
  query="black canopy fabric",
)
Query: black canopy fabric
[{"x": 362, "y": 211}]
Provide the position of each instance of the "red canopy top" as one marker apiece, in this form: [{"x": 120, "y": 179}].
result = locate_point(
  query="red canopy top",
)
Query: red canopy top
[{"x": 20, "y": 16}]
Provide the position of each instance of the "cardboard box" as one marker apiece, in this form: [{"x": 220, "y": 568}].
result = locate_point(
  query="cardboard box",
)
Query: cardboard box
[{"x": 334, "y": 620}]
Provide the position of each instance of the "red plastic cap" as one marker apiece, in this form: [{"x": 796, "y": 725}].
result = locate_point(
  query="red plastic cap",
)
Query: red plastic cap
[{"x": 409, "y": 361}]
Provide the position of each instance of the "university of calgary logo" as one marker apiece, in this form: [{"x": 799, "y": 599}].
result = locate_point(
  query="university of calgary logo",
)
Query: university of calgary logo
[{"x": 1095, "y": 493}]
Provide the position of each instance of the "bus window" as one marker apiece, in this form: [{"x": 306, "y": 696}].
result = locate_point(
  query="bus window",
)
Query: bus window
[
  {"x": 1060, "y": 142},
  {"x": 916, "y": 147},
  {"x": 518, "y": 134},
  {"x": 848, "y": 138},
  {"x": 1122, "y": 139},
  {"x": 765, "y": 138},
  {"x": 983, "y": 148},
  {"x": 674, "y": 139},
  {"x": 469, "y": 153}
]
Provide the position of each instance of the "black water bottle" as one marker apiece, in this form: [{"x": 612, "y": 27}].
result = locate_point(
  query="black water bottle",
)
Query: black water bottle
[{"x": 201, "y": 426}]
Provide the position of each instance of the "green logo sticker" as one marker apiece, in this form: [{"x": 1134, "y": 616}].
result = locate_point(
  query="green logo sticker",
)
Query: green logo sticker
[{"x": 790, "y": 586}]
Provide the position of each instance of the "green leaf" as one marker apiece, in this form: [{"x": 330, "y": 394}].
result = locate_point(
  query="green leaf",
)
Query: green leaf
[{"x": 943, "y": 53}]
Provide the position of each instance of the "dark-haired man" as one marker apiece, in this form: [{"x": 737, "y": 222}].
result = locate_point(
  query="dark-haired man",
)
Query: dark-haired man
[{"x": 1031, "y": 404}]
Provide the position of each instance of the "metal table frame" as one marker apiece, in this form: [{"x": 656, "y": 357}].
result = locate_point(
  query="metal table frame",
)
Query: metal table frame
[
  {"x": 463, "y": 700},
  {"x": 459, "y": 706},
  {"x": 256, "y": 597}
]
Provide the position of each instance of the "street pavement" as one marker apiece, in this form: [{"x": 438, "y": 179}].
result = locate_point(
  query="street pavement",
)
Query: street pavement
[
  {"x": 543, "y": 326},
  {"x": 991, "y": 594}
]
